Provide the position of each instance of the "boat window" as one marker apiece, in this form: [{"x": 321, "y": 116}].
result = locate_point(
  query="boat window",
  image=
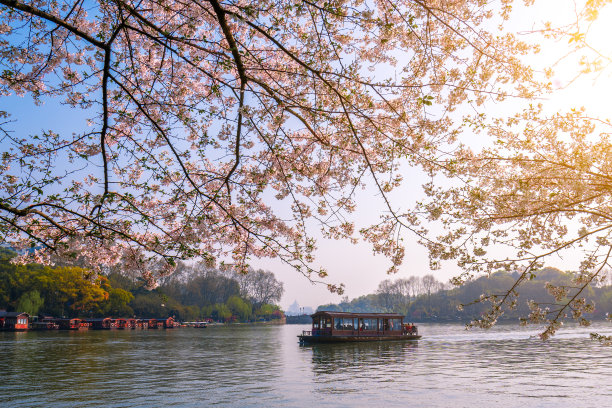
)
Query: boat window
[
  {"x": 326, "y": 323},
  {"x": 316, "y": 323},
  {"x": 343, "y": 323},
  {"x": 395, "y": 324},
  {"x": 385, "y": 324},
  {"x": 368, "y": 324}
]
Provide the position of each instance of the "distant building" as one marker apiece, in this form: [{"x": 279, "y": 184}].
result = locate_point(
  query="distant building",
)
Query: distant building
[
  {"x": 296, "y": 310},
  {"x": 293, "y": 310}
]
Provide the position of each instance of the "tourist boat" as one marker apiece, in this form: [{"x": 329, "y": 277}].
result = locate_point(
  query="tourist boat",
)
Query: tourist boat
[
  {"x": 14, "y": 321},
  {"x": 69, "y": 324},
  {"x": 102, "y": 323},
  {"x": 331, "y": 327}
]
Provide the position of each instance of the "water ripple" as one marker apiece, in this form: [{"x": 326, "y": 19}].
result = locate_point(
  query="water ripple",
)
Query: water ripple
[{"x": 263, "y": 366}]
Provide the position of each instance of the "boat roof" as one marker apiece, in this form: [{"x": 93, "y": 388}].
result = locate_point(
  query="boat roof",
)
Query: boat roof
[
  {"x": 364, "y": 315},
  {"x": 12, "y": 314}
]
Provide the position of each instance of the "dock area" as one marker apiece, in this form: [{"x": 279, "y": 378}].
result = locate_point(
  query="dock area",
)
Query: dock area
[{"x": 20, "y": 321}]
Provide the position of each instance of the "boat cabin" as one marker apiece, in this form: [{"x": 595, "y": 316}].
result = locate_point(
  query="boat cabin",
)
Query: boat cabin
[
  {"x": 141, "y": 324},
  {"x": 102, "y": 323},
  {"x": 149, "y": 323},
  {"x": 44, "y": 325},
  {"x": 122, "y": 323},
  {"x": 14, "y": 321},
  {"x": 69, "y": 324},
  {"x": 344, "y": 323},
  {"x": 130, "y": 323},
  {"x": 167, "y": 323},
  {"x": 345, "y": 326}
]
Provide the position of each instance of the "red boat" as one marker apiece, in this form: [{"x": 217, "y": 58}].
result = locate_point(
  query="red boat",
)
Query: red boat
[
  {"x": 69, "y": 324},
  {"x": 14, "y": 321}
]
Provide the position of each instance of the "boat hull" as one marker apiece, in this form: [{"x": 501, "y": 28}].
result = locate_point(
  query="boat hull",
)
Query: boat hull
[{"x": 303, "y": 339}]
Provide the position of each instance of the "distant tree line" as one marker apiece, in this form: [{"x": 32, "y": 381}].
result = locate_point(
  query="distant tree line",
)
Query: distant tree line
[
  {"x": 223, "y": 295},
  {"x": 194, "y": 292},
  {"x": 423, "y": 299},
  {"x": 395, "y": 296}
]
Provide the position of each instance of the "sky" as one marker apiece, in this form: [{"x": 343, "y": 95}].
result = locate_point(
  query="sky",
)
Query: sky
[{"x": 355, "y": 265}]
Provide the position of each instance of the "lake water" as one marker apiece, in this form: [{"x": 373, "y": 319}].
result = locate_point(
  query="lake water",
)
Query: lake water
[{"x": 263, "y": 366}]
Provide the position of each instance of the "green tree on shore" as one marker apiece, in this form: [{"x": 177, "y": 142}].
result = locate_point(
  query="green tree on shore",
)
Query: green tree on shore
[
  {"x": 77, "y": 292},
  {"x": 30, "y": 302}
]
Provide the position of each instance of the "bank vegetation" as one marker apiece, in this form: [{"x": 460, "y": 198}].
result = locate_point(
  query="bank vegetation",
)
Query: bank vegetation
[{"x": 194, "y": 293}]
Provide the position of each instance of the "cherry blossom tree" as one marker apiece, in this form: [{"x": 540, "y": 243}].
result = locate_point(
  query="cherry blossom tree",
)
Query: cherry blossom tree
[
  {"x": 225, "y": 130},
  {"x": 540, "y": 192}
]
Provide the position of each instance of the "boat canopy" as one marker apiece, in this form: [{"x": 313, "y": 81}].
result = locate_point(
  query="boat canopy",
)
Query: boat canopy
[{"x": 360, "y": 315}]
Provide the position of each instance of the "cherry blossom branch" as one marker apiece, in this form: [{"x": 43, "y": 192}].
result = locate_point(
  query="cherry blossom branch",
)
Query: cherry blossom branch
[
  {"x": 18, "y": 5},
  {"x": 243, "y": 81}
]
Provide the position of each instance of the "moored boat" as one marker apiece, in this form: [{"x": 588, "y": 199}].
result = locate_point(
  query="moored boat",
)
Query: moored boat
[
  {"x": 69, "y": 324},
  {"x": 44, "y": 325},
  {"x": 14, "y": 321},
  {"x": 330, "y": 327},
  {"x": 101, "y": 323}
]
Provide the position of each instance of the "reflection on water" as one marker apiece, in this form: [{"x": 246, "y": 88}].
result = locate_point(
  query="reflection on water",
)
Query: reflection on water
[
  {"x": 264, "y": 366},
  {"x": 354, "y": 357},
  {"x": 353, "y": 365}
]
